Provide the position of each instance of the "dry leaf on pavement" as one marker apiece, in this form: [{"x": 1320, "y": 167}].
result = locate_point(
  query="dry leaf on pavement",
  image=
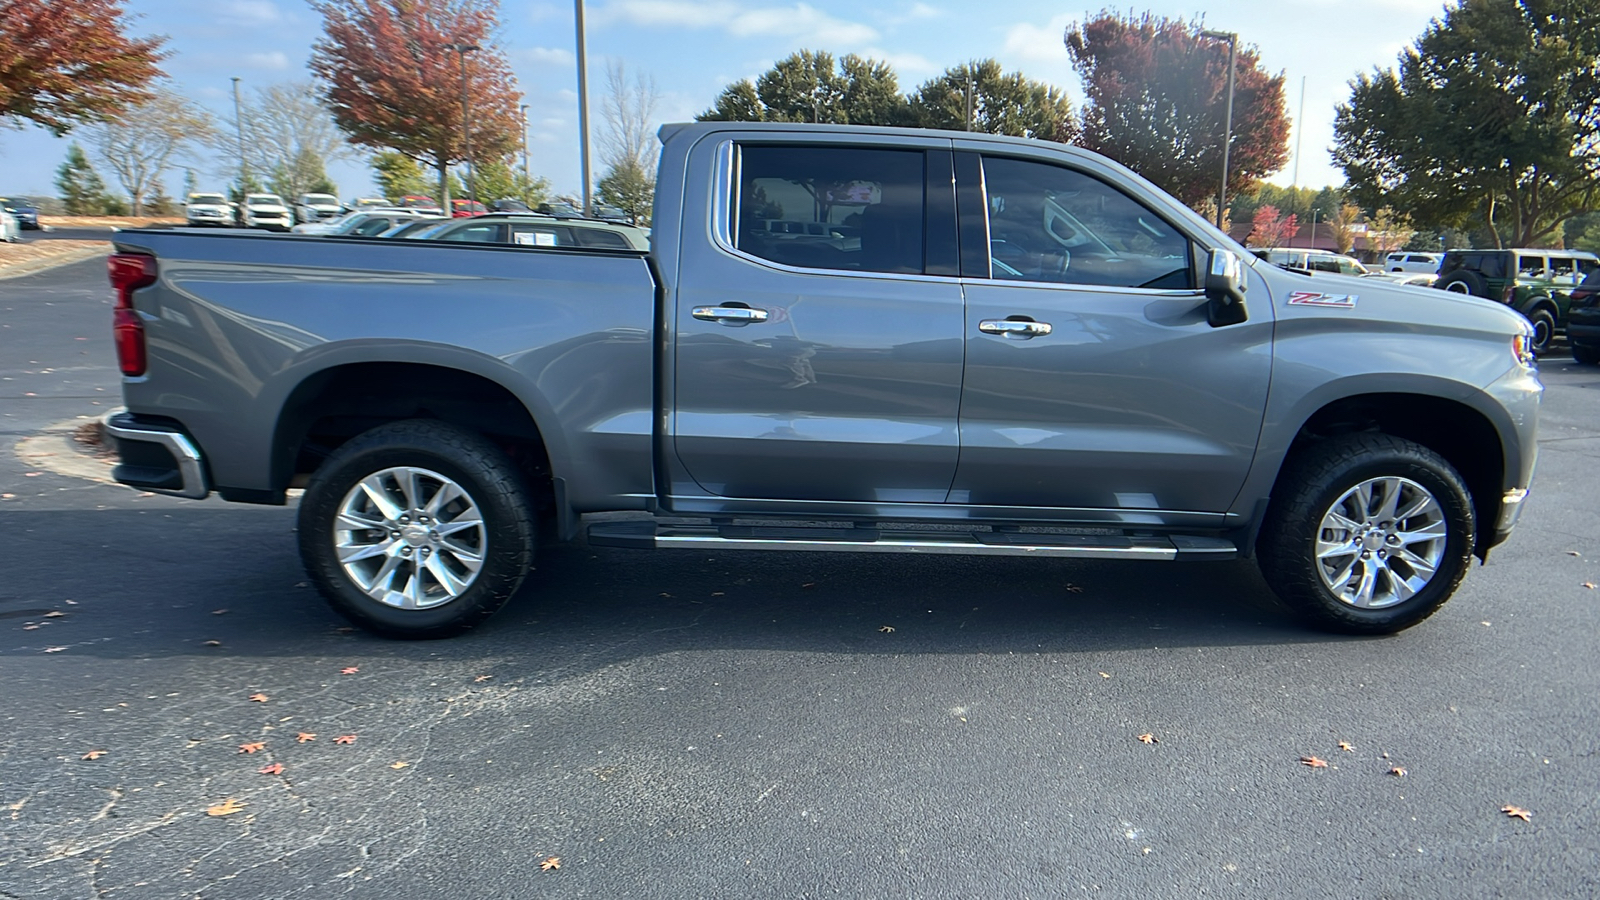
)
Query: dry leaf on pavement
[
  {"x": 54, "y": 649},
  {"x": 252, "y": 747},
  {"x": 1589, "y": 585},
  {"x": 1347, "y": 747},
  {"x": 304, "y": 736},
  {"x": 274, "y": 769},
  {"x": 54, "y": 614},
  {"x": 93, "y": 754},
  {"x": 259, "y": 698},
  {"x": 1149, "y": 738},
  {"x": 1397, "y": 771},
  {"x": 1314, "y": 762},
  {"x": 349, "y": 670},
  {"x": 345, "y": 739},
  {"x": 886, "y": 629},
  {"x": 399, "y": 764},
  {"x": 553, "y": 862},
  {"x": 1517, "y": 812},
  {"x": 226, "y": 808}
]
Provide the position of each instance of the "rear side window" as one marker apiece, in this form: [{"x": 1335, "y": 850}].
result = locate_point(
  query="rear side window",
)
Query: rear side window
[
  {"x": 1049, "y": 223},
  {"x": 474, "y": 234},
  {"x": 831, "y": 207},
  {"x": 1531, "y": 267},
  {"x": 601, "y": 239}
]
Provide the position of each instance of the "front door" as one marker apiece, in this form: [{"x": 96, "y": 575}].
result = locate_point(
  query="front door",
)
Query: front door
[
  {"x": 1093, "y": 380},
  {"x": 816, "y": 357}
]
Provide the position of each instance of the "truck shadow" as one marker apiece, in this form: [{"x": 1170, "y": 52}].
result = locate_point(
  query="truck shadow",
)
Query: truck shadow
[{"x": 164, "y": 583}]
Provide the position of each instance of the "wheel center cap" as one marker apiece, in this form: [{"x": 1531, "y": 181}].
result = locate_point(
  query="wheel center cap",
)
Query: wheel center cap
[
  {"x": 414, "y": 535},
  {"x": 1372, "y": 540}
]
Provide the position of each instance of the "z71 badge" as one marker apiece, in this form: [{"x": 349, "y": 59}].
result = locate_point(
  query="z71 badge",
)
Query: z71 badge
[{"x": 1313, "y": 298}]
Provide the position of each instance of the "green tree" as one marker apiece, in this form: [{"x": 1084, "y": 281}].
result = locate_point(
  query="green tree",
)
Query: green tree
[
  {"x": 1156, "y": 94},
  {"x": 1000, "y": 103},
  {"x": 398, "y": 175},
  {"x": 498, "y": 180},
  {"x": 630, "y": 189},
  {"x": 1490, "y": 115},
  {"x": 301, "y": 174},
  {"x": 809, "y": 86},
  {"x": 79, "y": 186}
]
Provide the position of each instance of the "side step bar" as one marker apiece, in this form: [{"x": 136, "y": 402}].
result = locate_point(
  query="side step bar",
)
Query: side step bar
[{"x": 654, "y": 536}]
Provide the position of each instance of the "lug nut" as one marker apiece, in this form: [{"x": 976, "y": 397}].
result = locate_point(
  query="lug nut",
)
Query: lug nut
[{"x": 405, "y": 551}]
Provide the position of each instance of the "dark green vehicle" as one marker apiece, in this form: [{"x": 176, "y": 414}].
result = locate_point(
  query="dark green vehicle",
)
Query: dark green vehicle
[{"x": 1536, "y": 283}]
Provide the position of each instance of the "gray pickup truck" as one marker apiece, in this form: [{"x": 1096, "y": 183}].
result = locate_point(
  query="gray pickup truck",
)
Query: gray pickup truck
[{"x": 842, "y": 339}]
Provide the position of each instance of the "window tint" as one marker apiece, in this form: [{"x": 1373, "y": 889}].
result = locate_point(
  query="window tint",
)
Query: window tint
[
  {"x": 372, "y": 226},
  {"x": 474, "y": 234},
  {"x": 1563, "y": 269},
  {"x": 542, "y": 235},
  {"x": 831, "y": 207},
  {"x": 601, "y": 239},
  {"x": 1047, "y": 223}
]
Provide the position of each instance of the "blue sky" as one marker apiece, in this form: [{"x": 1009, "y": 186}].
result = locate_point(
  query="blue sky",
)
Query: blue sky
[{"x": 693, "y": 48}]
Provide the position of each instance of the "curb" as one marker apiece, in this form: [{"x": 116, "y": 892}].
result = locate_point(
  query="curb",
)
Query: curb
[{"x": 33, "y": 267}]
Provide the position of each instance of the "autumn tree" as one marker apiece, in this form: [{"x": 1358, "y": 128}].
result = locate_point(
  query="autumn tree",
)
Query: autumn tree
[
  {"x": 1342, "y": 225},
  {"x": 1489, "y": 116},
  {"x": 810, "y": 86},
  {"x": 79, "y": 186},
  {"x": 1269, "y": 228},
  {"x": 65, "y": 63},
  {"x": 138, "y": 147},
  {"x": 980, "y": 96},
  {"x": 1388, "y": 231},
  {"x": 1156, "y": 94},
  {"x": 628, "y": 144},
  {"x": 392, "y": 79}
]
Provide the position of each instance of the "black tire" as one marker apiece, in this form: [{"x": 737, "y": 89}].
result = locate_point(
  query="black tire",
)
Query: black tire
[
  {"x": 1464, "y": 281},
  {"x": 491, "y": 482},
  {"x": 1544, "y": 330},
  {"x": 1588, "y": 354},
  {"x": 1312, "y": 482}
]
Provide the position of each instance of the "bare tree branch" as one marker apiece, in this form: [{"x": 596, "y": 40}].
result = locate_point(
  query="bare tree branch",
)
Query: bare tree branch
[{"x": 140, "y": 146}]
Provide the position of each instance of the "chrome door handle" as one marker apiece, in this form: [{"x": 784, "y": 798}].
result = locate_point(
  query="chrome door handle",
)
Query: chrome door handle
[
  {"x": 1019, "y": 328},
  {"x": 729, "y": 315}
]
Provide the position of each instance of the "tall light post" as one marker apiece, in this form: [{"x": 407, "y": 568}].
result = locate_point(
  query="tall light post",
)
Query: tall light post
[
  {"x": 526, "y": 178},
  {"x": 466, "y": 124},
  {"x": 1227, "y": 127},
  {"x": 238, "y": 121},
  {"x": 583, "y": 108}
]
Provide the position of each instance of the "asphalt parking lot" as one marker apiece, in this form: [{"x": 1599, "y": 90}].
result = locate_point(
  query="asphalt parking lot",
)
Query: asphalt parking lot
[{"x": 679, "y": 725}]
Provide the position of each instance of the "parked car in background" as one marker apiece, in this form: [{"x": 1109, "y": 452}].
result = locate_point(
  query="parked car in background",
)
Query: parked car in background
[
  {"x": 418, "y": 201},
  {"x": 537, "y": 231},
  {"x": 1535, "y": 282},
  {"x": 26, "y": 214},
  {"x": 360, "y": 203},
  {"x": 461, "y": 208},
  {"x": 407, "y": 229},
  {"x": 317, "y": 208},
  {"x": 1414, "y": 279},
  {"x": 509, "y": 204},
  {"x": 1311, "y": 260},
  {"x": 208, "y": 209},
  {"x": 1583, "y": 320},
  {"x": 265, "y": 211},
  {"x": 10, "y": 228},
  {"x": 1412, "y": 261},
  {"x": 375, "y": 222}
]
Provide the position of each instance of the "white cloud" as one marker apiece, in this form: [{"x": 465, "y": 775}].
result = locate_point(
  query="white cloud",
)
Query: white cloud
[
  {"x": 800, "y": 21},
  {"x": 909, "y": 66},
  {"x": 1036, "y": 43},
  {"x": 273, "y": 60},
  {"x": 544, "y": 56},
  {"x": 249, "y": 12}
]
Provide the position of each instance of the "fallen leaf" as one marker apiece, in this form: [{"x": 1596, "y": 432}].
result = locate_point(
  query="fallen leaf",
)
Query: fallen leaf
[
  {"x": 218, "y": 612},
  {"x": 213, "y": 643},
  {"x": 345, "y": 739},
  {"x": 1347, "y": 747},
  {"x": 259, "y": 698},
  {"x": 1314, "y": 762},
  {"x": 54, "y": 649},
  {"x": 226, "y": 808},
  {"x": 1073, "y": 589},
  {"x": 716, "y": 593},
  {"x": 1105, "y": 674},
  {"x": 886, "y": 629},
  {"x": 93, "y": 754},
  {"x": 349, "y": 670},
  {"x": 1397, "y": 771},
  {"x": 1149, "y": 738},
  {"x": 1517, "y": 812},
  {"x": 1573, "y": 553},
  {"x": 809, "y": 584},
  {"x": 1589, "y": 585},
  {"x": 482, "y": 678},
  {"x": 252, "y": 747},
  {"x": 304, "y": 736},
  {"x": 31, "y": 474},
  {"x": 553, "y": 862},
  {"x": 274, "y": 769},
  {"x": 399, "y": 764},
  {"x": 29, "y": 626},
  {"x": 54, "y": 614},
  {"x": 8, "y": 496}
]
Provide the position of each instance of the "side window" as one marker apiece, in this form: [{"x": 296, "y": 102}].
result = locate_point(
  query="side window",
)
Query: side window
[
  {"x": 601, "y": 239},
  {"x": 542, "y": 235},
  {"x": 373, "y": 226},
  {"x": 1563, "y": 269},
  {"x": 1047, "y": 223},
  {"x": 1530, "y": 266},
  {"x": 831, "y": 207},
  {"x": 487, "y": 233}
]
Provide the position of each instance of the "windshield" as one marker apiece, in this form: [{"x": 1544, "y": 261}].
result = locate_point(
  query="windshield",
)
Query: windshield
[
  {"x": 216, "y": 199},
  {"x": 321, "y": 200},
  {"x": 263, "y": 200}
]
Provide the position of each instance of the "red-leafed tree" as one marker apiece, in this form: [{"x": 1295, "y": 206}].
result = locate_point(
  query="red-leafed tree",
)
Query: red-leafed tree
[
  {"x": 64, "y": 63},
  {"x": 1157, "y": 95},
  {"x": 392, "y": 78},
  {"x": 1268, "y": 228}
]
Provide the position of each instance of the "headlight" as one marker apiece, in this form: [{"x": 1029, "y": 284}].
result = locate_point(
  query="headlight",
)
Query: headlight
[{"x": 1522, "y": 349}]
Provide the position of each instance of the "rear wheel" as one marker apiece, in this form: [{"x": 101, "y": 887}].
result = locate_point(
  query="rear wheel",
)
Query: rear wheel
[
  {"x": 417, "y": 529},
  {"x": 1369, "y": 534},
  {"x": 1464, "y": 282},
  {"x": 1544, "y": 329}
]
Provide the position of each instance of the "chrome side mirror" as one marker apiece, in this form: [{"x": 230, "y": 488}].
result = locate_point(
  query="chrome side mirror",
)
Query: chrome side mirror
[{"x": 1224, "y": 288}]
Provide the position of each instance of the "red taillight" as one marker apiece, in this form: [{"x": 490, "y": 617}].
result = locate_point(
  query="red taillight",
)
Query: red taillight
[{"x": 129, "y": 272}]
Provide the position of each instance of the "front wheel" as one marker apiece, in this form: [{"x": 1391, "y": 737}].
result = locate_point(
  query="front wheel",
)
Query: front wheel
[
  {"x": 1544, "y": 330},
  {"x": 1369, "y": 534},
  {"x": 417, "y": 529}
]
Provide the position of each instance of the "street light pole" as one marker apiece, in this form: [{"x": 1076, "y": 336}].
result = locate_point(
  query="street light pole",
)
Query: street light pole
[
  {"x": 1227, "y": 127},
  {"x": 583, "y": 109},
  {"x": 466, "y": 124},
  {"x": 238, "y": 121},
  {"x": 526, "y": 178}
]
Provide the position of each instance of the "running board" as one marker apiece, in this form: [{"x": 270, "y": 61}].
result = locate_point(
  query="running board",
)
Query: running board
[{"x": 653, "y": 536}]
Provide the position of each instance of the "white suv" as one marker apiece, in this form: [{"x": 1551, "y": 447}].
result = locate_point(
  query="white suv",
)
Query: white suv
[
  {"x": 208, "y": 209},
  {"x": 264, "y": 211},
  {"x": 1411, "y": 261}
]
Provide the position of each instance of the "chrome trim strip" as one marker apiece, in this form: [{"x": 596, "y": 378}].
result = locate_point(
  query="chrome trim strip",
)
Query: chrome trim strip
[
  {"x": 182, "y": 450},
  {"x": 1153, "y": 550},
  {"x": 1511, "y": 508}
]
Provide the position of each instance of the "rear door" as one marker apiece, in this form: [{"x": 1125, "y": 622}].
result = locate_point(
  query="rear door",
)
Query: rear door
[
  {"x": 1093, "y": 379},
  {"x": 818, "y": 324}
]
